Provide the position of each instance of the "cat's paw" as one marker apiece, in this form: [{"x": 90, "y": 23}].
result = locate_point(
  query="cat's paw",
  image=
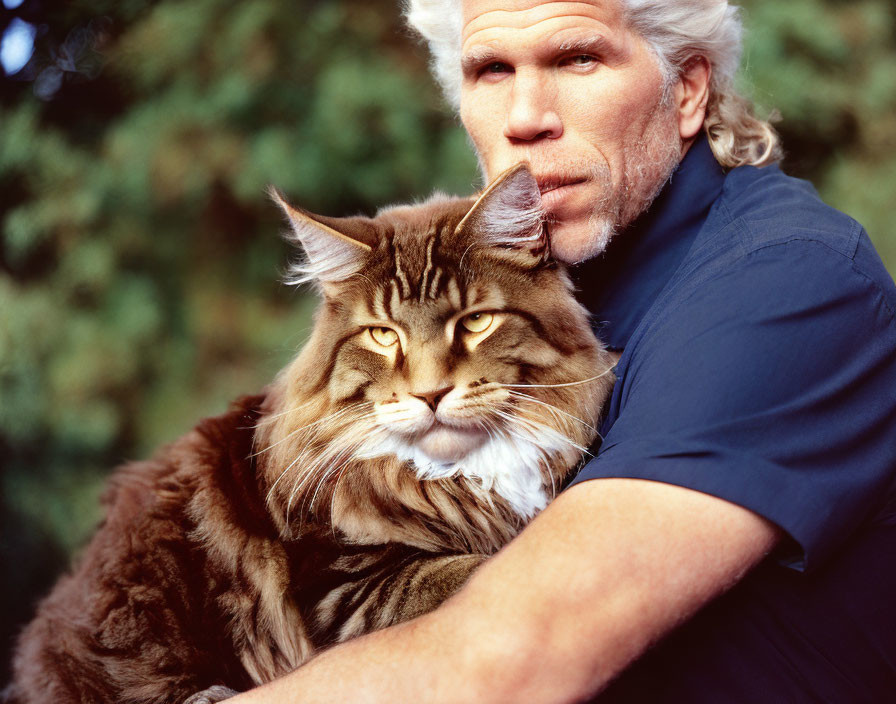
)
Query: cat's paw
[{"x": 218, "y": 693}]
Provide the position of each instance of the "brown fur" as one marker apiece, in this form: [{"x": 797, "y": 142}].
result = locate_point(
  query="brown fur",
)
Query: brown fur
[{"x": 270, "y": 532}]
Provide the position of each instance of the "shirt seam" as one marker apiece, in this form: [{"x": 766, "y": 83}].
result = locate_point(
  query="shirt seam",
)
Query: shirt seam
[
  {"x": 851, "y": 258},
  {"x": 729, "y": 192},
  {"x": 855, "y": 231}
]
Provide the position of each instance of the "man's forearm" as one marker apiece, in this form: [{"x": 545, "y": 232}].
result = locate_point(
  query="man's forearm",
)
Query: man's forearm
[{"x": 606, "y": 570}]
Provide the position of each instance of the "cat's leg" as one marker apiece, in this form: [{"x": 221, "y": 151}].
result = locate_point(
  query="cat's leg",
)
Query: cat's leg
[
  {"x": 402, "y": 590},
  {"x": 422, "y": 586}
]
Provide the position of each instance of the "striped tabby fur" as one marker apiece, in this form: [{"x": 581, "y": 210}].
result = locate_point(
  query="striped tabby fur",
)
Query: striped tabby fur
[{"x": 449, "y": 387}]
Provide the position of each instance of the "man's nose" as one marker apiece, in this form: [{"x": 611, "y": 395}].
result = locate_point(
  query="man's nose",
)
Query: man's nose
[{"x": 532, "y": 114}]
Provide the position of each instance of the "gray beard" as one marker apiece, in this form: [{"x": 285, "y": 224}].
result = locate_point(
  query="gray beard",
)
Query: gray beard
[{"x": 649, "y": 164}]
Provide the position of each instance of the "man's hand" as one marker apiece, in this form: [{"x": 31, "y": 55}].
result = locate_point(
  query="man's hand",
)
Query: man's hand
[{"x": 606, "y": 570}]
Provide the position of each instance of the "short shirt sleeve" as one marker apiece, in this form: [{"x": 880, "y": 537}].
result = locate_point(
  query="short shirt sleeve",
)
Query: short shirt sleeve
[{"x": 772, "y": 385}]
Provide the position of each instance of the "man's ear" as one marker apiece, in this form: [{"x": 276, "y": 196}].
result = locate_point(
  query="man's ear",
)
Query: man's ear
[
  {"x": 510, "y": 217},
  {"x": 691, "y": 95},
  {"x": 335, "y": 248}
]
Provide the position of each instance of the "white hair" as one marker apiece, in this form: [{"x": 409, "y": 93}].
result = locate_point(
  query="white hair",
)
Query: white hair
[{"x": 677, "y": 31}]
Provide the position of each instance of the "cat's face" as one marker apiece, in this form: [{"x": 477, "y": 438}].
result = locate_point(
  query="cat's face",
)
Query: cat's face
[
  {"x": 437, "y": 348},
  {"x": 450, "y": 339}
]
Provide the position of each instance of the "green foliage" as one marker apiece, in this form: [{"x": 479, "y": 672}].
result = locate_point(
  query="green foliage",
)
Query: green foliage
[
  {"x": 139, "y": 256},
  {"x": 829, "y": 67}
]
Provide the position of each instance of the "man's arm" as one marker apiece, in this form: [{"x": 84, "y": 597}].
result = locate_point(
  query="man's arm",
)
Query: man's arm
[{"x": 605, "y": 571}]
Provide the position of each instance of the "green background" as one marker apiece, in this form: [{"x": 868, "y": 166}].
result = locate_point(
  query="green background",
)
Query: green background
[{"x": 140, "y": 257}]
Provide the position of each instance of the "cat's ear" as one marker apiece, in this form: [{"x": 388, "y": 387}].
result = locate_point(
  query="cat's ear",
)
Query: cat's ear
[
  {"x": 335, "y": 248},
  {"x": 510, "y": 217}
]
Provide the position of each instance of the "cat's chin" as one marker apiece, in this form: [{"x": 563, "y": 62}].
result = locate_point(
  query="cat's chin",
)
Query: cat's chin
[{"x": 445, "y": 444}]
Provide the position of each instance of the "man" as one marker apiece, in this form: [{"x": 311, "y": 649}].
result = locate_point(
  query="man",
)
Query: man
[{"x": 751, "y": 436}]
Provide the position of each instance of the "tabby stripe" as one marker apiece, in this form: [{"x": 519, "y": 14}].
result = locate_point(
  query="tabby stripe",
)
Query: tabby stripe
[
  {"x": 398, "y": 594},
  {"x": 394, "y": 299},
  {"x": 454, "y": 294},
  {"x": 337, "y": 584},
  {"x": 374, "y": 609},
  {"x": 380, "y": 304},
  {"x": 400, "y": 275},
  {"x": 327, "y": 373},
  {"x": 434, "y": 286},
  {"x": 566, "y": 349},
  {"x": 410, "y": 587},
  {"x": 355, "y": 607},
  {"x": 430, "y": 243},
  {"x": 379, "y": 608}
]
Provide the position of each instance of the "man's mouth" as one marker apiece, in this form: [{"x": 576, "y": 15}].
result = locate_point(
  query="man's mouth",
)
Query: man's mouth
[
  {"x": 546, "y": 184},
  {"x": 556, "y": 191}
]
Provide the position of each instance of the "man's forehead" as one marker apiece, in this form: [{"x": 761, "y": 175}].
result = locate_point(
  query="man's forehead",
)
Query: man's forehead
[{"x": 483, "y": 15}]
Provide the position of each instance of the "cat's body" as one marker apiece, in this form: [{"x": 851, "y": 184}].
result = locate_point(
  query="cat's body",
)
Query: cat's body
[{"x": 448, "y": 388}]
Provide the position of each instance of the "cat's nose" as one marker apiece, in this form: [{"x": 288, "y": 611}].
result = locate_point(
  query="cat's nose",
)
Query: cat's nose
[{"x": 432, "y": 398}]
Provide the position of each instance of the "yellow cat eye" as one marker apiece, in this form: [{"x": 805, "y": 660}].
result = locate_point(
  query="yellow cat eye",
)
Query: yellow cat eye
[
  {"x": 477, "y": 322},
  {"x": 384, "y": 336}
]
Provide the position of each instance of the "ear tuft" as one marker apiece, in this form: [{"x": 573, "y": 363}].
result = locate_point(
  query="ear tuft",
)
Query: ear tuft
[
  {"x": 331, "y": 254},
  {"x": 509, "y": 213}
]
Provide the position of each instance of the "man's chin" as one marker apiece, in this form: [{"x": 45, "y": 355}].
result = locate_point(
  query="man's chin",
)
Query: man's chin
[{"x": 575, "y": 242}]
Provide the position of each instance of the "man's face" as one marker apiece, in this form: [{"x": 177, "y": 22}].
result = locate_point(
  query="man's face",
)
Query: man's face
[{"x": 568, "y": 88}]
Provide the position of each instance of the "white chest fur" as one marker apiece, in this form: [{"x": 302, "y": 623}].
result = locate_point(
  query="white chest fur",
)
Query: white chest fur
[{"x": 510, "y": 467}]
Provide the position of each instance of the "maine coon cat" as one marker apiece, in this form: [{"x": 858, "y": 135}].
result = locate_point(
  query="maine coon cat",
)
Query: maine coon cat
[{"x": 449, "y": 387}]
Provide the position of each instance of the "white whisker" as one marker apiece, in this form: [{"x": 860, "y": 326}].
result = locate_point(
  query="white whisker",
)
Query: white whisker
[
  {"x": 325, "y": 419},
  {"x": 552, "y": 408},
  {"x": 336, "y": 424},
  {"x": 336, "y": 462},
  {"x": 534, "y": 427},
  {"x": 273, "y": 416},
  {"x": 557, "y": 386}
]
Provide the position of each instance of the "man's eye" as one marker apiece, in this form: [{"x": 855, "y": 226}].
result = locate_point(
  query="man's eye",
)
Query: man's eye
[
  {"x": 581, "y": 60},
  {"x": 496, "y": 67}
]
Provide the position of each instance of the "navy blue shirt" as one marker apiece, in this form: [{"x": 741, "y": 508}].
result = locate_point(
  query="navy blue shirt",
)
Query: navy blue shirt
[{"x": 759, "y": 366}]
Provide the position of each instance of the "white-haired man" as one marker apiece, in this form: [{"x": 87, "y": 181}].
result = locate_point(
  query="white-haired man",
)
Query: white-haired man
[{"x": 751, "y": 436}]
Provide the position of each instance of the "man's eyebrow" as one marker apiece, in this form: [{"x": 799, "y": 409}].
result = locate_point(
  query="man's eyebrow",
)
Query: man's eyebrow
[
  {"x": 476, "y": 57},
  {"x": 594, "y": 44},
  {"x": 479, "y": 56}
]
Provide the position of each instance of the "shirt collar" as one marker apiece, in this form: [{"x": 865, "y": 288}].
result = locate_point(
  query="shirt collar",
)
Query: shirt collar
[{"x": 620, "y": 285}]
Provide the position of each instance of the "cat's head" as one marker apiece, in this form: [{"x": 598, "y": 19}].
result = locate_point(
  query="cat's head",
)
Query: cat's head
[{"x": 448, "y": 339}]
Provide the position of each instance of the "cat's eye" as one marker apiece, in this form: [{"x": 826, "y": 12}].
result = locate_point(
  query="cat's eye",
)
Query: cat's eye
[
  {"x": 384, "y": 336},
  {"x": 477, "y": 322}
]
